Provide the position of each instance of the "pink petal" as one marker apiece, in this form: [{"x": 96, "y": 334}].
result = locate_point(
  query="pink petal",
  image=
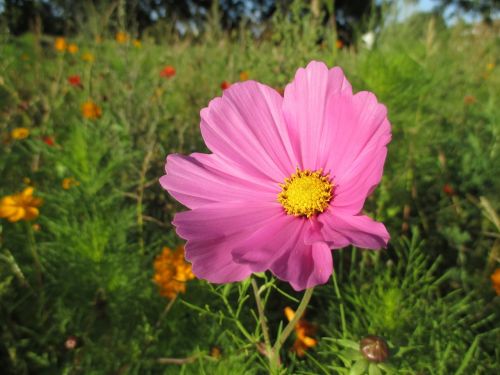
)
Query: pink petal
[
  {"x": 340, "y": 230},
  {"x": 304, "y": 107},
  {"x": 247, "y": 127},
  {"x": 304, "y": 266},
  {"x": 213, "y": 231},
  {"x": 201, "y": 179},
  {"x": 358, "y": 182},
  {"x": 357, "y": 125},
  {"x": 268, "y": 243}
]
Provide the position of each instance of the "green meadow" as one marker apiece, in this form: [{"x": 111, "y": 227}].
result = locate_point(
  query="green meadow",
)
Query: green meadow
[{"x": 77, "y": 289}]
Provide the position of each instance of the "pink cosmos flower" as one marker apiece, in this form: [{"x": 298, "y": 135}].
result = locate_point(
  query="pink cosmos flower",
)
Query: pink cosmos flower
[{"x": 286, "y": 180}]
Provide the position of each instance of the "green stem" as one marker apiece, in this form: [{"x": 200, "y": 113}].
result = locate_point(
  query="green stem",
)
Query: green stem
[
  {"x": 275, "y": 353},
  {"x": 337, "y": 293},
  {"x": 262, "y": 317},
  {"x": 34, "y": 254}
]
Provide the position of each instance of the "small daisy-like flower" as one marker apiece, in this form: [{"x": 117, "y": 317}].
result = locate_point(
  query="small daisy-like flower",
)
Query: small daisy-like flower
[
  {"x": 20, "y": 206},
  {"x": 91, "y": 110},
  {"x": 72, "y": 48},
  {"x": 286, "y": 180},
  {"x": 88, "y": 57},
  {"x": 225, "y": 85},
  {"x": 303, "y": 332},
  {"x": 244, "y": 76},
  {"x": 167, "y": 72},
  {"x": 68, "y": 182},
  {"x": 75, "y": 80},
  {"x": 172, "y": 272},
  {"x": 121, "y": 37},
  {"x": 60, "y": 44},
  {"x": 20, "y": 133},
  {"x": 495, "y": 279}
]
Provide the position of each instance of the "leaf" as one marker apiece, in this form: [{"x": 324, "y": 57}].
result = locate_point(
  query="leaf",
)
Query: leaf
[
  {"x": 374, "y": 370},
  {"x": 359, "y": 367}
]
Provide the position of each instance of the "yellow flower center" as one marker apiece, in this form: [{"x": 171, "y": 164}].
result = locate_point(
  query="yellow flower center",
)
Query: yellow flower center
[{"x": 306, "y": 193}]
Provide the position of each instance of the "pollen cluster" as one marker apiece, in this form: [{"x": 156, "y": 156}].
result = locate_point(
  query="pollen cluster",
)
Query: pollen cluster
[{"x": 306, "y": 193}]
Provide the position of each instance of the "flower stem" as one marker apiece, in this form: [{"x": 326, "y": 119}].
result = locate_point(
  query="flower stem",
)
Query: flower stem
[
  {"x": 262, "y": 317},
  {"x": 275, "y": 353},
  {"x": 34, "y": 254}
]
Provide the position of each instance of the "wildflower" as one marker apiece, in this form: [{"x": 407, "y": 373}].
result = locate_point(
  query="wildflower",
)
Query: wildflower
[
  {"x": 244, "y": 76},
  {"x": 60, "y": 44},
  {"x": 374, "y": 348},
  {"x": 339, "y": 44},
  {"x": 448, "y": 190},
  {"x": 20, "y": 206},
  {"x": 88, "y": 57},
  {"x": 215, "y": 352},
  {"x": 121, "y": 37},
  {"x": 495, "y": 279},
  {"x": 490, "y": 66},
  {"x": 167, "y": 72},
  {"x": 72, "y": 48},
  {"x": 172, "y": 272},
  {"x": 225, "y": 85},
  {"x": 71, "y": 342},
  {"x": 137, "y": 43},
  {"x": 286, "y": 182},
  {"x": 27, "y": 181},
  {"x": 48, "y": 140},
  {"x": 75, "y": 80},
  {"x": 469, "y": 99},
  {"x": 91, "y": 111},
  {"x": 20, "y": 133},
  {"x": 36, "y": 227},
  {"x": 68, "y": 182},
  {"x": 303, "y": 331}
]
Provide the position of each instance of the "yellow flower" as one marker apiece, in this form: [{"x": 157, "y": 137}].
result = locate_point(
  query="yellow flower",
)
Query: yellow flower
[
  {"x": 88, "y": 57},
  {"x": 68, "y": 182},
  {"x": 20, "y": 133},
  {"x": 121, "y": 37},
  {"x": 60, "y": 44},
  {"x": 90, "y": 110},
  {"x": 490, "y": 66},
  {"x": 20, "y": 206},
  {"x": 495, "y": 279},
  {"x": 172, "y": 272},
  {"x": 72, "y": 48},
  {"x": 244, "y": 75},
  {"x": 303, "y": 331},
  {"x": 137, "y": 43}
]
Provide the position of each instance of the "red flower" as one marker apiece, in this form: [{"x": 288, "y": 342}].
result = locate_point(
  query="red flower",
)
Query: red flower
[
  {"x": 167, "y": 72},
  {"x": 49, "y": 141},
  {"x": 225, "y": 85},
  {"x": 75, "y": 81},
  {"x": 448, "y": 190}
]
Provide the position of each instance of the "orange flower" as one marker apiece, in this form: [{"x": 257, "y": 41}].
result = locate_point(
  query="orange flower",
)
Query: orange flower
[
  {"x": 20, "y": 206},
  {"x": 244, "y": 75},
  {"x": 20, "y": 133},
  {"x": 167, "y": 72},
  {"x": 448, "y": 190},
  {"x": 48, "y": 140},
  {"x": 72, "y": 48},
  {"x": 68, "y": 182},
  {"x": 339, "y": 44},
  {"x": 495, "y": 279},
  {"x": 303, "y": 331},
  {"x": 121, "y": 37},
  {"x": 91, "y": 111},
  {"x": 137, "y": 43},
  {"x": 225, "y": 85},
  {"x": 172, "y": 272},
  {"x": 60, "y": 44}
]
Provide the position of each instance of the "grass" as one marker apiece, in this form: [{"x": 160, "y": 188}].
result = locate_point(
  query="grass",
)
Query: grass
[{"x": 429, "y": 295}]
